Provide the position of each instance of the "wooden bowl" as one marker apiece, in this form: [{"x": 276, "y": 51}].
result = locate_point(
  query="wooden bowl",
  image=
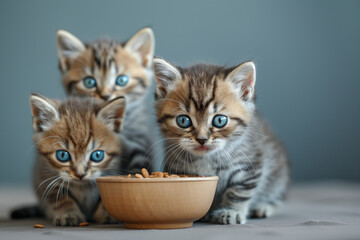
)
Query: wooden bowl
[{"x": 157, "y": 203}]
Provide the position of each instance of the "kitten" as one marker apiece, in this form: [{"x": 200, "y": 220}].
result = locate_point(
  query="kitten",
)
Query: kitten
[
  {"x": 76, "y": 141},
  {"x": 207, "y": 115},
  {"x": 106, "y": 69}
]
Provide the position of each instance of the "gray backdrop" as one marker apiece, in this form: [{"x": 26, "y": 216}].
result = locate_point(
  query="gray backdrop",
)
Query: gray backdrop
[{"x": 307, "y": 55}]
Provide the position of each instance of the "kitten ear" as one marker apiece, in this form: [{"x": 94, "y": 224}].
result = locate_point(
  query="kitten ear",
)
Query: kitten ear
[
  {"x": 243, "y": 78},
  {"x": 112, "y": 114},
  {"x": 68, "y": 47},
  {"x": 165, "y": 75},
  {"x": 143, "y": 43},
  {"x": 44, "y": 112}
]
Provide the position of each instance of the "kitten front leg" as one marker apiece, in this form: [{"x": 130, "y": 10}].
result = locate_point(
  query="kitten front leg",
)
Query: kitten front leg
[
  {"x": 64, "y": 211},
  {"x": 225, "y": 216},
  {"x": 262, "y": 210},
  {"x": 102, "y": 216},
  {"x": 234, "y": 207}
]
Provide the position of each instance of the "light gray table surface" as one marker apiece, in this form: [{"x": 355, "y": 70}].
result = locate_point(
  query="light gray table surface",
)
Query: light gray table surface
[{"x": 313, "y": 211}]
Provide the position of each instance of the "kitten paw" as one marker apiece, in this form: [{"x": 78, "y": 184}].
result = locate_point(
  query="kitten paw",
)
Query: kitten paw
[
  {"x": 68, "y": 219},
  {"x": 103, "y": 217},
  {"x": 225, "y": 216},
  {"x": 262, "y": 210},
  {"x": 106, "y": 220}
]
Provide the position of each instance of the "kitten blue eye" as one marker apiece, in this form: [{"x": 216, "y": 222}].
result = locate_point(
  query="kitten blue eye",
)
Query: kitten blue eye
[
  {"x": 62, "y": 155},
  {"x": 122, "y": 80},
  {"x": 183, "y": 121},
  {"x": 89, "y": 82},
  {"x": 219, "y": 121},
  {"x": 97, "y": 156}
]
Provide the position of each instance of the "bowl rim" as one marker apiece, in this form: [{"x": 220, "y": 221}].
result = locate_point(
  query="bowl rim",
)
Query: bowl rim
[{"x": 114, "y": 179}]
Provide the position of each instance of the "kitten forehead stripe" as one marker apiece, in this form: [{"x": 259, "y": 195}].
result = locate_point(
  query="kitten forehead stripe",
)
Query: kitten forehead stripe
[{"x": 213, "y": 95}]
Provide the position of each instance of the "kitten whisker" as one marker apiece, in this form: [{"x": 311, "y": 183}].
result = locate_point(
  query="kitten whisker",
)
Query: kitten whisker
[
  {"x": 168, "y": 156},
  {"x": 240, "y": 158},
  {"x": 165, "y": 157},
  {"x": 44, "y": 182},
  {"x": 151, "y": 151},
  {"x": 49, "y": 189},
  {"x": 67, "y": 190},
  {"x": 231, "y": 158},
  {"x": 166, "y": 150},
  {"x": 51, "y": 183},
  {"x": 178, "y": 153},
  {"x": 59, "y": 190}
]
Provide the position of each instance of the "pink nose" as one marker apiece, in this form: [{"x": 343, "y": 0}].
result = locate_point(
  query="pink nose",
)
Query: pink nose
[
  {"x": 80, "y": 176},
  {"x": 105, "y": 96},
  {"x": 202, "y": 141}
]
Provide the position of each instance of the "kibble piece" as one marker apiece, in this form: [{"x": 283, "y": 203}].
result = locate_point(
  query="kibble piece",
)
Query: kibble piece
[
  {"x": 145, "y": 173},
  {"x": 158, "y": 175},
  {"x": 84, "y": 224},
  {"x": 183, "y": 176},
  {"x": 174, "y": 176},
  {"x": 128, "y": 176},
  {"x": 39, "y": 226}
]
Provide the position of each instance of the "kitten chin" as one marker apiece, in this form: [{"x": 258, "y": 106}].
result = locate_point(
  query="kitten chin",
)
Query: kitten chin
[{"x": 210, "y": 111}]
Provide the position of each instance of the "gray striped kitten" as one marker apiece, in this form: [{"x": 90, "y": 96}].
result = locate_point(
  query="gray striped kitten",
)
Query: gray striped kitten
[
  {"x": 106, "y": 69},
  {"x": 207, "y": 115},
  {"x": 76, "y": 141}
]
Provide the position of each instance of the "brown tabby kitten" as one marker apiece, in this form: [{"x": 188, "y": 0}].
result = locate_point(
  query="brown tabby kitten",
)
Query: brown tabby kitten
[
  {"x": 207, "y": 115},
  {"x": 106, "y": 69},
  {"x": 76, "y": 141}
]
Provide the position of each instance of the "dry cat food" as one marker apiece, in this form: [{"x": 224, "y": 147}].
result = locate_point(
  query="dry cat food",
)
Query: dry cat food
[
  {"x": 145, "y": 174},
  {"x": 84, "y": 224},
  {"x": 39, "y": 226}
]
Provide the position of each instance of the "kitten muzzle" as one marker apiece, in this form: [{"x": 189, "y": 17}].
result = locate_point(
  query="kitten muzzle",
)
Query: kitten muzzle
[
  {"x": 80, "y": 176},
  {"x": 202, "y": 148}
]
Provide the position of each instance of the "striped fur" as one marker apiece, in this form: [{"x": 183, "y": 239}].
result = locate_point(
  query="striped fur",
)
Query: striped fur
[
  {"x": 104, "y": 60},
  {"x": 251, "y": 163},
  {"x": 67, "y": 190}
]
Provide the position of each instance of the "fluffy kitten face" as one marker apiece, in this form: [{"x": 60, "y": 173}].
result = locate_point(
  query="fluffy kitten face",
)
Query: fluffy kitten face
[
  {"x": 106, "y": 69},
  {"x": 204, "y": 107},
  {"x": 77, "y": 138}
]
